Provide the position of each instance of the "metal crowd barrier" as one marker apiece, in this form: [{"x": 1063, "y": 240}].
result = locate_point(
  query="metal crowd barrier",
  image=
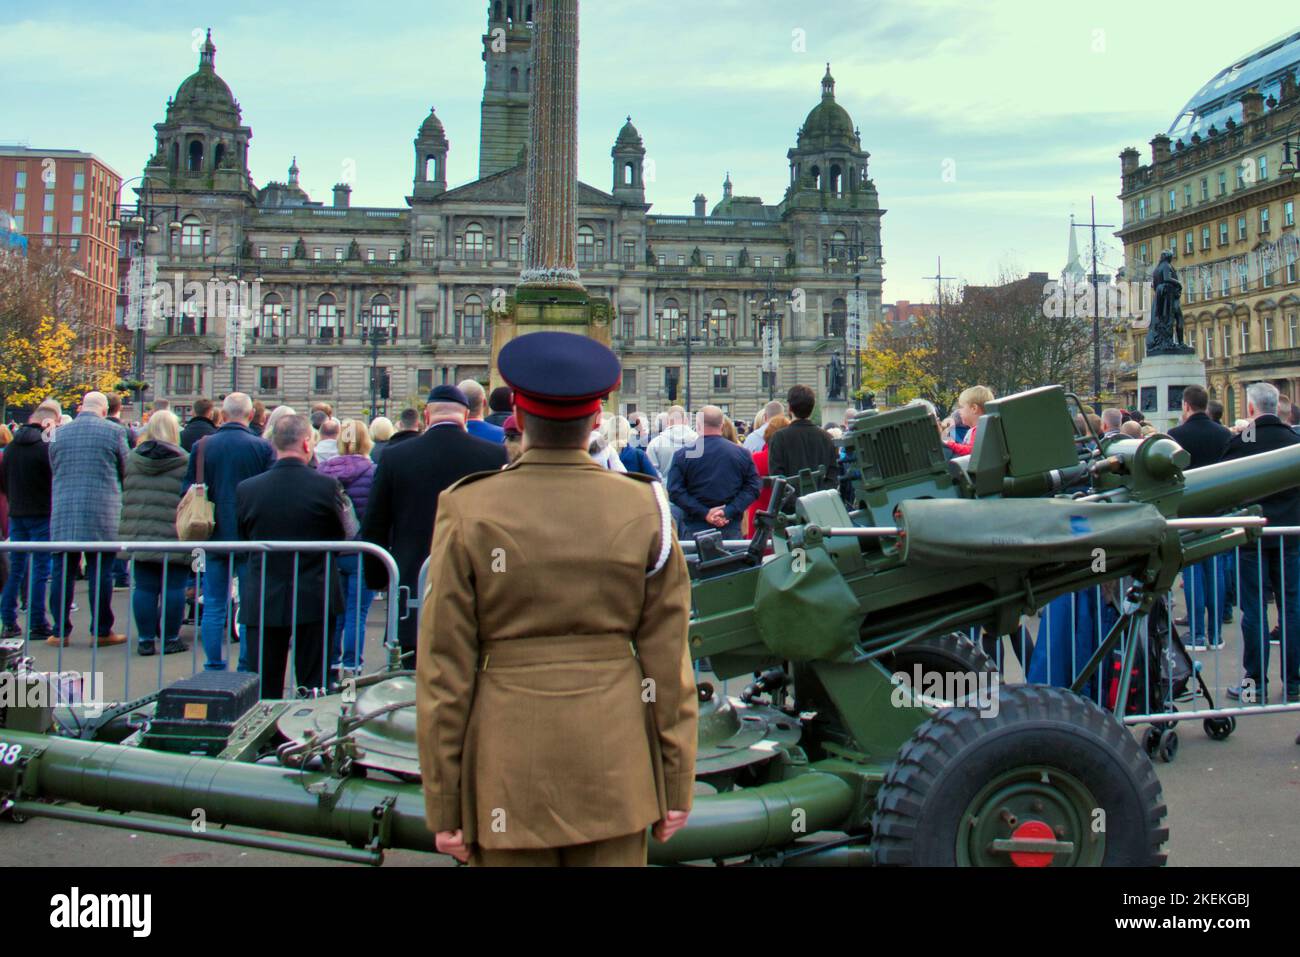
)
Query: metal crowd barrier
[
  {"x": 1181, "y": 673},
  {"x": 85, "y": 622}
]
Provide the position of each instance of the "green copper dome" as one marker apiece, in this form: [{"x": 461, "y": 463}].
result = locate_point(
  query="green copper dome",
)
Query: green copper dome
[
  {"x": 628, "y": 135},
  {"x": 204, "y": 93},
  {"x": 828, "y": 123},
  {"x": 431, "y": 128}
]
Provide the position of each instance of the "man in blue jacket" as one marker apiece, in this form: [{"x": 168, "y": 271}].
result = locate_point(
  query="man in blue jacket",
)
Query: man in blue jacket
[
  {"x": 227, "y": 457},
  {"x": 713, "y": 481}
]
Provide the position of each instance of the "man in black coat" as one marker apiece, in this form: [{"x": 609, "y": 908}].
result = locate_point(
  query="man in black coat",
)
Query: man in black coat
[
  {"x": 200, "y": 425},
  {"x": 803, "y": 444},
  {"x": 1272, "y": 566},
  {"x": 1205, "y": 583},
  {"x": 290, "y": 501},
  {"x": 404, "y": 498}
]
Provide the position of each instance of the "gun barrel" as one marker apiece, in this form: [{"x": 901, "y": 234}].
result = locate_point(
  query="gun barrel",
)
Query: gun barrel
[{"x": 1224, "y": 485}]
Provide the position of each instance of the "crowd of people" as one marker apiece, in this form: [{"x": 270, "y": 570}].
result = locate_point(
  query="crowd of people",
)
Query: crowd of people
[{"x": 94, "y": 479}]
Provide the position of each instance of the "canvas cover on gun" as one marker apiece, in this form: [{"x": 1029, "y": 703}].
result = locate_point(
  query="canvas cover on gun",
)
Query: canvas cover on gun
[{"x": 1025, "y": 532}]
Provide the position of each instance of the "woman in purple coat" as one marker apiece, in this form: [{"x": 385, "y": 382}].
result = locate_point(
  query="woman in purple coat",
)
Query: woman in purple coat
[{"x": 355, "y": 472}]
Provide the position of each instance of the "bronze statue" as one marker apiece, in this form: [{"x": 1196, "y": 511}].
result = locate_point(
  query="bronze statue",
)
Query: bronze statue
[
  {"x": 1165, "y": 333},
  {"x": 835, "y": 387}
]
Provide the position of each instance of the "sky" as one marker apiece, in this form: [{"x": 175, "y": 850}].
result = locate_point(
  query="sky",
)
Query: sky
[{"x": 988, "y": 123}]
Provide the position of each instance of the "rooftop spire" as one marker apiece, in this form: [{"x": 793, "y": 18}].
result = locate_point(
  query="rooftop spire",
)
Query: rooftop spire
[
  {"x": 208, "y": 53},
  {"x": 293, "y": 172},
  {"x": 828, "y": 84}
]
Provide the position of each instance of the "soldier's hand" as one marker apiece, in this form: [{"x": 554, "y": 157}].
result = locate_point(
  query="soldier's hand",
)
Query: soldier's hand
[
  {"x": 453, "y": 843},
  {"x": 670, "y": 825}
]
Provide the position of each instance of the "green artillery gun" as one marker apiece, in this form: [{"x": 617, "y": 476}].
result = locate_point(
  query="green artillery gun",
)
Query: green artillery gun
[{"x": 834, "y": 737}]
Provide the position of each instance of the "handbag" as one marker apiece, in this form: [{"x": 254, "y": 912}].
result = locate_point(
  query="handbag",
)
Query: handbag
[{"x": 196, "y": 517}]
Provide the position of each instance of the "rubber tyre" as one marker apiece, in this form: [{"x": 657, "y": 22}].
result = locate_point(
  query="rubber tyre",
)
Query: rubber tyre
[
  {"x": 1220, "y": 728},
  {"x": 952, "y": 756},
  {"x": 1168, "y": 749},
  {"x": 1151, "y": 741},
  {"x": 954, "y": 652}
]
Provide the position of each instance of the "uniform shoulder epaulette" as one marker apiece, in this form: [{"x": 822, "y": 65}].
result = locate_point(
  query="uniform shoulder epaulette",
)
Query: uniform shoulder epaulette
[
  {"x": 473, "y": 477},
  {"x": 641, "y": 476}
]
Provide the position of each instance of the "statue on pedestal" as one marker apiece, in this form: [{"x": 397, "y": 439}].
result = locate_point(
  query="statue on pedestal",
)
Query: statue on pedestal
[
  {"x": 835, "y": 386},
  {"x": 1165, "y": 333}
]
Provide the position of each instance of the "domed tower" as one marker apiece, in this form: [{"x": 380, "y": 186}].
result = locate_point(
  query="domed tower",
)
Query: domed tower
[
  {"x": 431, "y": 148},
  {"x": 629, "y": 163},
  {"x": 202, "y": 142},
  {"x": 828, "y": 166}
]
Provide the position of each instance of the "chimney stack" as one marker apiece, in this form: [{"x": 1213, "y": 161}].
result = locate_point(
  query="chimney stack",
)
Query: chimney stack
[
  {"x": 700, "y": 203},
  {"x": 342, "y": 195},
  {"x": 1128, "y": 161},
  {"x": 1252, "y": 105},
  {"x": 1159, "y": 148}
]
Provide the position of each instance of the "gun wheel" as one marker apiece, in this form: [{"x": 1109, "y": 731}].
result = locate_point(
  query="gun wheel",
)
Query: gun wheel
[
  {"x": 1047, "y": 779},
  {"x": 951, "y": 653}
]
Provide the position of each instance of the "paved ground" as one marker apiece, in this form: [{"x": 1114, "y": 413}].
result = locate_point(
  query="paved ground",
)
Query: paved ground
[{"x": 1230, "y": 803}]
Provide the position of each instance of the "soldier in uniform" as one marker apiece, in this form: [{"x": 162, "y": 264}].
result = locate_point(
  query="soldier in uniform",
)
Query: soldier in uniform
[{"x": 556, "y": 703}]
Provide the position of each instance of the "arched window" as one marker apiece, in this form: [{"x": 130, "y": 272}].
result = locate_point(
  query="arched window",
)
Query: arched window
[
  {"x": 176, "y": 158},
  {"x": 496, "y": 10},
  {"x": 191, "y": 236},
  {"x": 327, "y": 317},
  {"x": 721, "y": 323},
  {"x": 514, "y": 78},
  {"x": 431, "y": 169},
  {"x": 510, "y": 13},
  {"x": 195, "y": 164},
  {"x": 817, "y": 177},
  {"x": 219, "y": 156},
  {"x": 529, "y": 14},
  {"x": 272, "y": 324},
  {"x": 586, "y": 244},
  {"x": 837, "y": 180},
  {"x": 472, "y": 242},
  {"x": 629, "y": 174},
  {"x": 836, "y": 320},
  {"x": 669, "y": 320},
  {"x": 471, "y": 319},
  {"x": 381, "y": 313}
]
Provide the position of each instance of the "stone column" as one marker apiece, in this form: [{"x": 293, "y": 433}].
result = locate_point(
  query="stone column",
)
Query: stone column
[{"x": 552, "y": 209}]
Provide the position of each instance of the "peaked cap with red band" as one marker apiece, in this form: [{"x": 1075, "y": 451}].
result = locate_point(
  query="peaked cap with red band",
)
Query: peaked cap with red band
[{"x": 559, "y": 375}]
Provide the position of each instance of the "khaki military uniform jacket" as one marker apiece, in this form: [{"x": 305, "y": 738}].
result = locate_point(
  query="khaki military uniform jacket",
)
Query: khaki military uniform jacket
[{"x": 556, "y": 701}]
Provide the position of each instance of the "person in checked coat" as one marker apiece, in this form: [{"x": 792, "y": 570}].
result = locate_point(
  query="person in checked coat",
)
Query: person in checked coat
[
  {"x": 555, "y": 701},
  {"x": 87, "y": 462}
]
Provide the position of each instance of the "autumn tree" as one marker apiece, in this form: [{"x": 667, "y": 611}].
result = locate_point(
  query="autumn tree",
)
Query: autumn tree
[{"x": 46, "y": 346}]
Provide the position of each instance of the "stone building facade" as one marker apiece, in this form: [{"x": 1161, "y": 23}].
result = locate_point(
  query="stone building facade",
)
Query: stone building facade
[
  {"x": 1220, "y": 192},
  {"x": 423, "y": 280}
]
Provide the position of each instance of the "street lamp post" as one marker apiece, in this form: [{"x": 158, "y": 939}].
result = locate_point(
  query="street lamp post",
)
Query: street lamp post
[
  {"x": 235, "y": 342},
  {"x": 140, "y": 219},
  {"x": 853, "y": 252},
  {"x": 376, "y": 336},
  {"x": 771, "y": 333}
]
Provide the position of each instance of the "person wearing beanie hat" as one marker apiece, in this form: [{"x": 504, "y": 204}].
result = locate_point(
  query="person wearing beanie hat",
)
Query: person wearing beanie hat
[
  {"x": 556, "y": 588},
  {"x": 501, "y": 405}
]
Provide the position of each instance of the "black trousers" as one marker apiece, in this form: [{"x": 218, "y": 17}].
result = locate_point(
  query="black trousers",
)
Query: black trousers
[{"x": 309, "y": 656}]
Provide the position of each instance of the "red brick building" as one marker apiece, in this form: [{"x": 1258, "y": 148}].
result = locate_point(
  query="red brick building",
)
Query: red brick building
[{"x": 62, "y": 201}]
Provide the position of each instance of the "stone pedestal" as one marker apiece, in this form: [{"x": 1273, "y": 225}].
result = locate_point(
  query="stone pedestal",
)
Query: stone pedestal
[
  {"x": 831, "y": 412},
  {"x": 1161, "y": 380},
  {"x": 552, "y": 309}
]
